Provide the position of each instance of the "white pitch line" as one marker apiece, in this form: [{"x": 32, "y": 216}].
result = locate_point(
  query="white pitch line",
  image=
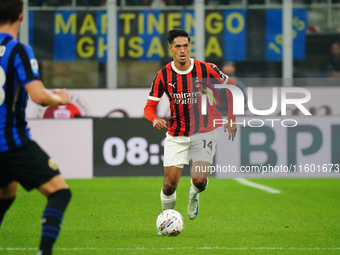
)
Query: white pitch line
[
  {"x": 257, "y": 186},
  {"x": 181, "y": 248}
]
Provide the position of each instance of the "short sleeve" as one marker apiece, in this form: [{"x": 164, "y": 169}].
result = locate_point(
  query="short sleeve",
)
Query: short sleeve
[
  {"x": 216, "y": 75},
  {"x": 26, "y": 64},
  {"x": 157, "y": 88}
]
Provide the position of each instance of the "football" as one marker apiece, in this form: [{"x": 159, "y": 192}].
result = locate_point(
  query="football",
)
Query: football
[{"x": 170, "y": 223}]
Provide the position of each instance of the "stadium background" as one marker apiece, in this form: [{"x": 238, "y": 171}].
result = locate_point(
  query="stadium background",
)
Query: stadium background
[
  {"x": 101, "y": 136},
  {"x": 103, "y": 126}
]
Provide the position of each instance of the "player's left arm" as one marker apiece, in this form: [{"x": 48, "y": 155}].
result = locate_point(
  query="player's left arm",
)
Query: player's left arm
[
  {"x": 230, "y": 125},
  {"x": 223, "y": 78}
]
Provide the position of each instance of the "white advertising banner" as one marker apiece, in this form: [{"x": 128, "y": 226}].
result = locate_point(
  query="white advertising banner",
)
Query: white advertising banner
[
  {"x": 263, "y": 147},
  {"x": 68, "y": 142},
  {"x": 130, "y": 103},
  {"x": 266, "y": 148},
  {"x": 116, "y": 103}
]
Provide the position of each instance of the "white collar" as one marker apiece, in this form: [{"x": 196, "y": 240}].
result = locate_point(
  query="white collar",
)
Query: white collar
[{"x": 186, "y": 71}]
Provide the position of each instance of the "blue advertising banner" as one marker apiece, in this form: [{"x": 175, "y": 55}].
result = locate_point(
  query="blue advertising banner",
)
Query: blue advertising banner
[
  {"x": 150, "y": 34},
  {"x": 274, "y": 37},
  {"x": 142, "y": 35},
  {"x": 101, "y": 48},
  {"x": 235, "y": 35},
  {"x": 65, "y": 35}
]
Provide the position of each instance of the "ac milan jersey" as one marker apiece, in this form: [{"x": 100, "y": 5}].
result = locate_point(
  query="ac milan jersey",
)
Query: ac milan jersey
[
  {"x": 18, "y": 67},
  {"x": 191, "y": 95}
]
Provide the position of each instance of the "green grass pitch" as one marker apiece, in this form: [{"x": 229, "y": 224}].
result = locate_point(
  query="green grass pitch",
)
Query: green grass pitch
[{"x": 118, "y": 216}]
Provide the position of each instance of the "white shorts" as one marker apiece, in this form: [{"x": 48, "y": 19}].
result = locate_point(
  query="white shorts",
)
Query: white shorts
[{"x": 201, "y": 145}]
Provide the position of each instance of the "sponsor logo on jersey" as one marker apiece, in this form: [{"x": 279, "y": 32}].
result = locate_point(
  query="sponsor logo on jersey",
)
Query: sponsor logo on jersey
[
  {"x": 2, "y": 50},
  {"x": 186, "y": 97},
  {"x": 52, "y": 164},
  {"x": 172, "y": 84},
  {"x": 34, "y": 66},
  {"x": 208, "y": 90}
]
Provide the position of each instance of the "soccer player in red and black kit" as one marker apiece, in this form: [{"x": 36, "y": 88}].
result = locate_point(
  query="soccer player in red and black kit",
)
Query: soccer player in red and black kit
[
  {"x": 21, "y": 159},
  {"x": 187, "y": 82}
]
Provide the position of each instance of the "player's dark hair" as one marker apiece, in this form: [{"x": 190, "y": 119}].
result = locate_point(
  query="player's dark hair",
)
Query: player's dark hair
[
  {"x": 172, "y": 34},
  {"x": 10, "y": 10}
]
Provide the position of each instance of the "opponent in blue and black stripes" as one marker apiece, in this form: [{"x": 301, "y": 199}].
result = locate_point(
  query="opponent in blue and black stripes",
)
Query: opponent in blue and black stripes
[{"x": 21, "y": 159}]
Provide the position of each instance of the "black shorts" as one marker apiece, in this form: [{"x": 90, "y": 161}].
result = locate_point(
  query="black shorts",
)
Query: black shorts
[{"x": 28, "y": 164}]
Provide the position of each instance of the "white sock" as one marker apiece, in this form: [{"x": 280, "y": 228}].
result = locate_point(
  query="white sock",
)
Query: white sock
[
  {"x": 168, "y": 202},
  {"x": 195, "y": 190}
]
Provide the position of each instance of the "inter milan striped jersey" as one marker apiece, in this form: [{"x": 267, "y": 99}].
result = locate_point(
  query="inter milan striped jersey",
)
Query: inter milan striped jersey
[
  {"x": 18, "y": 67},
  {"x": 187, "y": 91}
]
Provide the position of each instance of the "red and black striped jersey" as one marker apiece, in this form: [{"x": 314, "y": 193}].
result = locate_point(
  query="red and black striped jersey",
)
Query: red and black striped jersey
[{"x": 192, "y": 96}]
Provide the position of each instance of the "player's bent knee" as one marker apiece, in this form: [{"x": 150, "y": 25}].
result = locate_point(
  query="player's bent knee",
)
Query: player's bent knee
[
  {"x": 169, "y": 189},
  {"x": 53, "y": 185},
  {"x": 200, "y": 183},
  {"x": 170, "y": 184}
]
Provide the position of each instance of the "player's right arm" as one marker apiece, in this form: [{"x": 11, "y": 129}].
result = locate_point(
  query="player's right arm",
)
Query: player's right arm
[
  {"x": 155, "y": 95},
  {"x": 40, "y": 95},
  {"x": 27, "y": 70}
]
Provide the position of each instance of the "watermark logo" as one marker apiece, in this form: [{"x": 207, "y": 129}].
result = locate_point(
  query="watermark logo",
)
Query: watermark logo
[
  {"x": 238, "y": 100},
  {"x": 204, "y": 96},
  {"x": 288, "y": 96}
]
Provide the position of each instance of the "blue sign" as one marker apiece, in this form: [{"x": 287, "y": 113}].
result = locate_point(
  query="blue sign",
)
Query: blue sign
[
  {"x": 142, "y": 35},
  {"x": 65, "y": 36},
  {"x": 235, "y": 35},
  {"x": 274, "y": 37},
  {"x": 101, "y": 44},
  {"x": 150, "y": 34}
]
